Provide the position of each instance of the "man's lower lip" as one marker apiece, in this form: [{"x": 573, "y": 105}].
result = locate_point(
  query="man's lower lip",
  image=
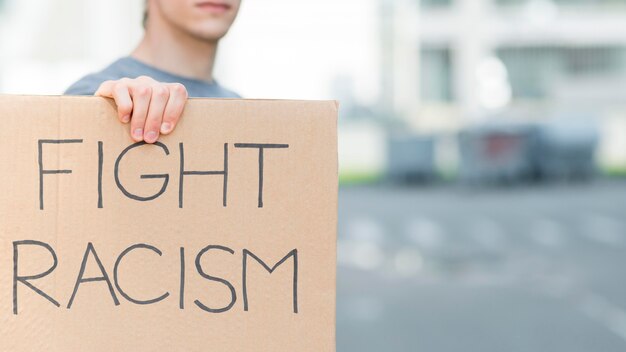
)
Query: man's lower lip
[{"x": 214, "y": 7}]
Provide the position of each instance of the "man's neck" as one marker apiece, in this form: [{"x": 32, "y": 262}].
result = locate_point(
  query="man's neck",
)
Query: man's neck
[{"x": 177, "y": 53}]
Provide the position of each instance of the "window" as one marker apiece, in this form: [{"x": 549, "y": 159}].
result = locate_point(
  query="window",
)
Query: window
[
  {"x": 566, "y": 2},
  {"x": 436, "y": 74},
  {"x": 534, "y": 70},
  {"x": 435, "y": 3}
]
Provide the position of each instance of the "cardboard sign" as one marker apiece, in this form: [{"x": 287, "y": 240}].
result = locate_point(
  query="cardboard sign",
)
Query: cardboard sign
[{"x": 220, "y": 237}]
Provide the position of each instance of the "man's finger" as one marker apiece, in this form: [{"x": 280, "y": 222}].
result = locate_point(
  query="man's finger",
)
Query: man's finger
[
  {"x": 141, "y": 96},
  {"x": 174, "y": 108},
  {"x": 160, "y": 96},
  {"x": 121, "y": 95},
  {"x": 105, "y": 89}
]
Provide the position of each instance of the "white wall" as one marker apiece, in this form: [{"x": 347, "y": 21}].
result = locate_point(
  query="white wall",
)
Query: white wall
[
  {"x": 296, "y": 48},
  {"x": 45, "y": 45}
]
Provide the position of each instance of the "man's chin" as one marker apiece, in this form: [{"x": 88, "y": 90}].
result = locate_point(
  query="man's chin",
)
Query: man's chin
[{"x": 208, "y": 35}]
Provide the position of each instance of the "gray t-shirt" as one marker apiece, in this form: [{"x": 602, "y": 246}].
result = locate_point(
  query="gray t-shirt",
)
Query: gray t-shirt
[{"x": 133, "y": 68}]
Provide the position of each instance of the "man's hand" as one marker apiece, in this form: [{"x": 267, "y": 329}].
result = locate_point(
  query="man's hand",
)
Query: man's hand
[{"x": 151, "y": 107}]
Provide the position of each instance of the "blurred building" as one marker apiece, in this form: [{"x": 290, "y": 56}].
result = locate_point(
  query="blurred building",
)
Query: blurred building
[
  {"x": 527, "y": 59},
  {"x": 483, "y": 55}
]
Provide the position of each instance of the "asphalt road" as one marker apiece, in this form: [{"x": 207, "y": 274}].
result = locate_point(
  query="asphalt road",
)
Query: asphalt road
[{"x": 502, "y": 269}]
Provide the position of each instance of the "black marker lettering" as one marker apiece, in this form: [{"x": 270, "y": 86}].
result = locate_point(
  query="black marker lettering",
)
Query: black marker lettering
[
  {"x": 25, "y": 279},
  {"x": 181, "y": 303},
  {"x": 116, "y": 277},
  {"x": 184, "y": 173},
  {"x": 43, "y": 171},
  {"x": 166, "y": 177},
  {"x": 261, "y": 147},
  {"x": 100, "y": 162},
  {"x": 233, "y": 294},
  {"x": 104, "y": 277},
  {"x": 293, "y": 254}
]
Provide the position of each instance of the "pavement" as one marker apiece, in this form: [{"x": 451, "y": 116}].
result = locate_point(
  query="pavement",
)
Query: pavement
[{"x": 452, "y": 268}]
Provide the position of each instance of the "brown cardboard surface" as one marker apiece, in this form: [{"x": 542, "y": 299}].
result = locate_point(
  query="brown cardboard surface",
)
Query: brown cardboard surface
[{"x": 187, "y": 279}]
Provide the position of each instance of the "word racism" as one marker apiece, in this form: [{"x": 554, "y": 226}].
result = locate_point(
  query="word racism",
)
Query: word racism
[
  {"x": 112, "y": 283},
  {"x": 106, "y": 278},
  {"x": 165, "y": 177}
]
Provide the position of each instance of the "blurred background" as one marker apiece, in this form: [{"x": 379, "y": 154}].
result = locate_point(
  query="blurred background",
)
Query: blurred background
[{"x": 482, "y": 152}]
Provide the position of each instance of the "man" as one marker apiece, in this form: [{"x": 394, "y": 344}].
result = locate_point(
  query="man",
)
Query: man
[{"x": 174, "y": 60}]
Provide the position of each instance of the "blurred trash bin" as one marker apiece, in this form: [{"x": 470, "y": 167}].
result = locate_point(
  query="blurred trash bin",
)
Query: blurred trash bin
[
  {"x": 497, "y": 153},
  {"x": 558, "y": 149},
  {"x": 567, "y": 147},
  {"x": 411, "y": 158}
]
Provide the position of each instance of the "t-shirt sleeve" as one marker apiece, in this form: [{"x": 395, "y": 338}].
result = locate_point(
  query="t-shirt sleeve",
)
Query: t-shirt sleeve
[{"x": 87, "y": 85}]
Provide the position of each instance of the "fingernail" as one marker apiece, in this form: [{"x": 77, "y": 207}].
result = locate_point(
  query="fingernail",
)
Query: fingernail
[
  {"x": 125, "y": 119},
  {"x": 151, "y": 136},
  {"x": 138, "y": 134},
  {"x": 166, "y": 127}
]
